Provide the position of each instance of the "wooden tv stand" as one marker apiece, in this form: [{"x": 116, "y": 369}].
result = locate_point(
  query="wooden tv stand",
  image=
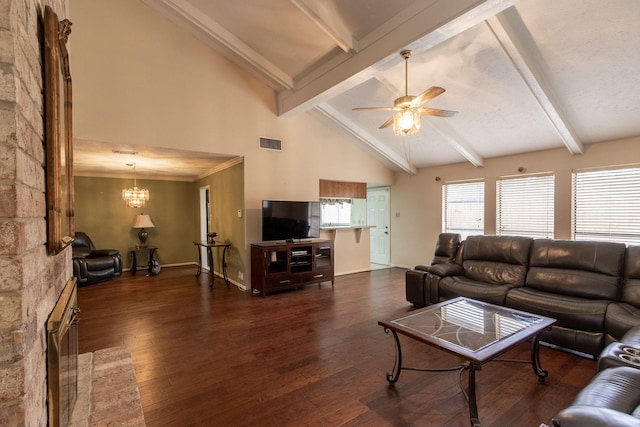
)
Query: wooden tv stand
[{"x": 279, "y": 266}]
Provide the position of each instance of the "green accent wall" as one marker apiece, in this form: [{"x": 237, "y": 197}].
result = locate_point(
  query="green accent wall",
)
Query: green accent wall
[
  {"x": 102, "y": 214},
  {"x": 174, "y": 208},
  {"x": 227, "y": 197}
]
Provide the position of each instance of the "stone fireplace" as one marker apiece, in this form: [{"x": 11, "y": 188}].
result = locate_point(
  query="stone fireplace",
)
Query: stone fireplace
[
  {"x": 62, "y": 356},
  {"x": 31, "y": 281}
]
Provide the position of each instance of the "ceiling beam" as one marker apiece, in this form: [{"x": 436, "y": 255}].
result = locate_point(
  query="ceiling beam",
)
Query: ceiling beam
[
  {"x": 428, "y": 24},
  {"x": 365, "y": 137},
  {"x": 519, "y": 46},
  {"x": 216, "y": 36},
  {"x": 456, "y": 141},
  {"x": 329, "y": 22}
]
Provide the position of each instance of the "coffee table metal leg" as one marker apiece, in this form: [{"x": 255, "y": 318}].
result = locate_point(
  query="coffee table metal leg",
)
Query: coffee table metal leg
[
  {"x": 393, "y": 376},
  {"x": 535, "y": 359},
  {"x": 473, "y": 404}
]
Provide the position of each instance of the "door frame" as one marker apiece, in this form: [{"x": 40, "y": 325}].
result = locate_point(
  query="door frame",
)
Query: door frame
[{"x": 205, "y": 221}]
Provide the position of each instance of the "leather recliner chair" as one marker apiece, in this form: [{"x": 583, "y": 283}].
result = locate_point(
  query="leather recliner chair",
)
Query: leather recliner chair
[
  {"x": 91, "y": 265},
  {"x": 418, "y": 289}
]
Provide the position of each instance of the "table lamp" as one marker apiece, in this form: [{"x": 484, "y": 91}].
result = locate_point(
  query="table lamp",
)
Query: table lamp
[{"x": 143, "y": 221}]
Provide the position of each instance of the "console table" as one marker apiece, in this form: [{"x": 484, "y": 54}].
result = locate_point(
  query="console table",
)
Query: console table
[
  {"x": 209, "y": 246},
  {"x": 150, "y": 250}
]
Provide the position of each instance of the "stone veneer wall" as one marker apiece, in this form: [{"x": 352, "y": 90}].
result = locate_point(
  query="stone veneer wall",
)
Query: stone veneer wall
[{"x": 30, "y": 280}]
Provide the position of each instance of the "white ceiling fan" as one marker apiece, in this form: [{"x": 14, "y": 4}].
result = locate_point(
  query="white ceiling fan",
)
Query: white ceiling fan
[{"x": 408, "y": 108}]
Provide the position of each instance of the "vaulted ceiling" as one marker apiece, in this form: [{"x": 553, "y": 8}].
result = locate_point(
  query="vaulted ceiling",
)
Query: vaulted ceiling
[{"x": 524, "y": 75}]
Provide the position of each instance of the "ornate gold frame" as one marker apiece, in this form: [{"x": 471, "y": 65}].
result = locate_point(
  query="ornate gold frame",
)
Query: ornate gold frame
[{"x": 58, "y": 133}]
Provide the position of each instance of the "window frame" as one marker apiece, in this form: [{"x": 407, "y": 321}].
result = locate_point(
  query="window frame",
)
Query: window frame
[
  {"x": 446, "y": 209},
  {"x": 530, "y": 197},
  {"x": 609, "y": 214}
]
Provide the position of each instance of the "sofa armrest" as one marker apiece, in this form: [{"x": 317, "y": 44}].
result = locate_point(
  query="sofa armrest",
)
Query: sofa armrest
[
  {"x": 632, "y": 337},
  {"x": 581, "y": 416},
  {"x": 448, "y": 269},
  {"x": 80, "y": 269}
]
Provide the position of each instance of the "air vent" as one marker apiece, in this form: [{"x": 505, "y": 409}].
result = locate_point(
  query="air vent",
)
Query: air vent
[{"x": 270, "y": 144}]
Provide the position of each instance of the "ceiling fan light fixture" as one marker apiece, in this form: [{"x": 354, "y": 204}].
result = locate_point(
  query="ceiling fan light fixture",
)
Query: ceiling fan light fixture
[
  {"x": 408, "y": 108},
  {"x": 407, "y": 122}
]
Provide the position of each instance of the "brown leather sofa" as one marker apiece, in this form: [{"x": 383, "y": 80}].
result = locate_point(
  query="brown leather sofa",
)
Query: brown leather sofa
[
  {"x": 612, "y": 397},
  {"x": 591, "y": 288},
  {"x": 91, "y": 265}
]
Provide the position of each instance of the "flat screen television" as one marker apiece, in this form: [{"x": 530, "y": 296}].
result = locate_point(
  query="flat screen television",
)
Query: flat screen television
[{"x": 290, "y": 220}]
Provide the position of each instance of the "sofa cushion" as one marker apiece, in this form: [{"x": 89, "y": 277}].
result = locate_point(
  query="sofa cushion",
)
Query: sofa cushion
[
  {"x": 455, "y": 286},
  {"x": 577, "y": 268},
  {"x": 505, "y": 249},
  {"x": 495, "y": 273},
  {"x": 496, "y": 259},
  {"x": 570, "y": 312},
  {"x": 102, "y": 263}
]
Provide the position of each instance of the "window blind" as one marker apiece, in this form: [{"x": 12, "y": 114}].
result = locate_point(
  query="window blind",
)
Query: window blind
[
  {"x": 606, "y": 205},
  {"x": 463, "y": 208},
  {"x": 525, "y": 206}
]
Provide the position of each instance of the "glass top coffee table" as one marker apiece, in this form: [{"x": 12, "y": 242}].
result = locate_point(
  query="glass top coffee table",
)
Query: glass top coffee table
[{"x": 475, "y": 331}]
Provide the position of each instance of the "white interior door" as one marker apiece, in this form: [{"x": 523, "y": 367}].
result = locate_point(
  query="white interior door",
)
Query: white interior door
[
  {"x": 378, "y": 218},
  {"x": 205, "y": 221}
]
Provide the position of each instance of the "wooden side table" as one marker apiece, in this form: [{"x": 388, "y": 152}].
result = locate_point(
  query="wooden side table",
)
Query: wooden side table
[
  {"x": 149, "y": 250},
  {"x": 209, "y": 246}
]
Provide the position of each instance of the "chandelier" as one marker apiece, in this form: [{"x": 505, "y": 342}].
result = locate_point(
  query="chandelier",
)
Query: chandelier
[{"x": 135, "y": 197}]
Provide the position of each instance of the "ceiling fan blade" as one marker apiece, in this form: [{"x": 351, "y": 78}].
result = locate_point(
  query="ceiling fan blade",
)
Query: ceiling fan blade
[
  {"x": 437, "y": 112},
  {"x": 376, "y": 108},
  {"x": 428, "y": 94},
  {"x": 387, "y": 123}
]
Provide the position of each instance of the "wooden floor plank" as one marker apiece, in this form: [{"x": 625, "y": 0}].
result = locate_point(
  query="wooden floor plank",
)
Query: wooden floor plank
[{"x": 314, "y": 356}]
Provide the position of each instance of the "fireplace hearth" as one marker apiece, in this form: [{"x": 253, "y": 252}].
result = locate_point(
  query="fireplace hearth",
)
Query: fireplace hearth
[{"x": 62, "y": 356}]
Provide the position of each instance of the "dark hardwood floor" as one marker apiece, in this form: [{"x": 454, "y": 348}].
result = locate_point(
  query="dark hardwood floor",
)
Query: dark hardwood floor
[{"x": 309, "y": 357}]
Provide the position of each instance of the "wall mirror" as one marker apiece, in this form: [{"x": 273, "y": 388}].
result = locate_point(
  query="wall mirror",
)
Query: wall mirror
[{"x": 58, "y": 133}]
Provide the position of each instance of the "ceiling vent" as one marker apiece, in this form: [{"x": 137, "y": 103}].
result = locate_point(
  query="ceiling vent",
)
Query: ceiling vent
[{"x": 270, "y": 144}]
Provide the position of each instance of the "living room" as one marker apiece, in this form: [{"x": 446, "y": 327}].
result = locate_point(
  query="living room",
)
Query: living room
[
  {"x": 140, "y": 81},
  {"x": 138, "y": 74}
]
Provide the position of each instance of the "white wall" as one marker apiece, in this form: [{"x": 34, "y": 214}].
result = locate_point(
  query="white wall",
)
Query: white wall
[
  {"x": 139, "y": 79},
  {"x": 418, "y": 199}
]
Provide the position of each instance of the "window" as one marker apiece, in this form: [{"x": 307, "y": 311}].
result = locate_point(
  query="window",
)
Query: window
[
  {"x": 606, "y": 205},
  {"x": 525, "y": 206},
  {"x": 335, "y": 211},
  {"x": 463, "y": 208}
]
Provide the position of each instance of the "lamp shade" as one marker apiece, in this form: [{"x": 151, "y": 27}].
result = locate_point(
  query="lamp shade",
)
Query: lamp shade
[{"x": 143, "y": 221}]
